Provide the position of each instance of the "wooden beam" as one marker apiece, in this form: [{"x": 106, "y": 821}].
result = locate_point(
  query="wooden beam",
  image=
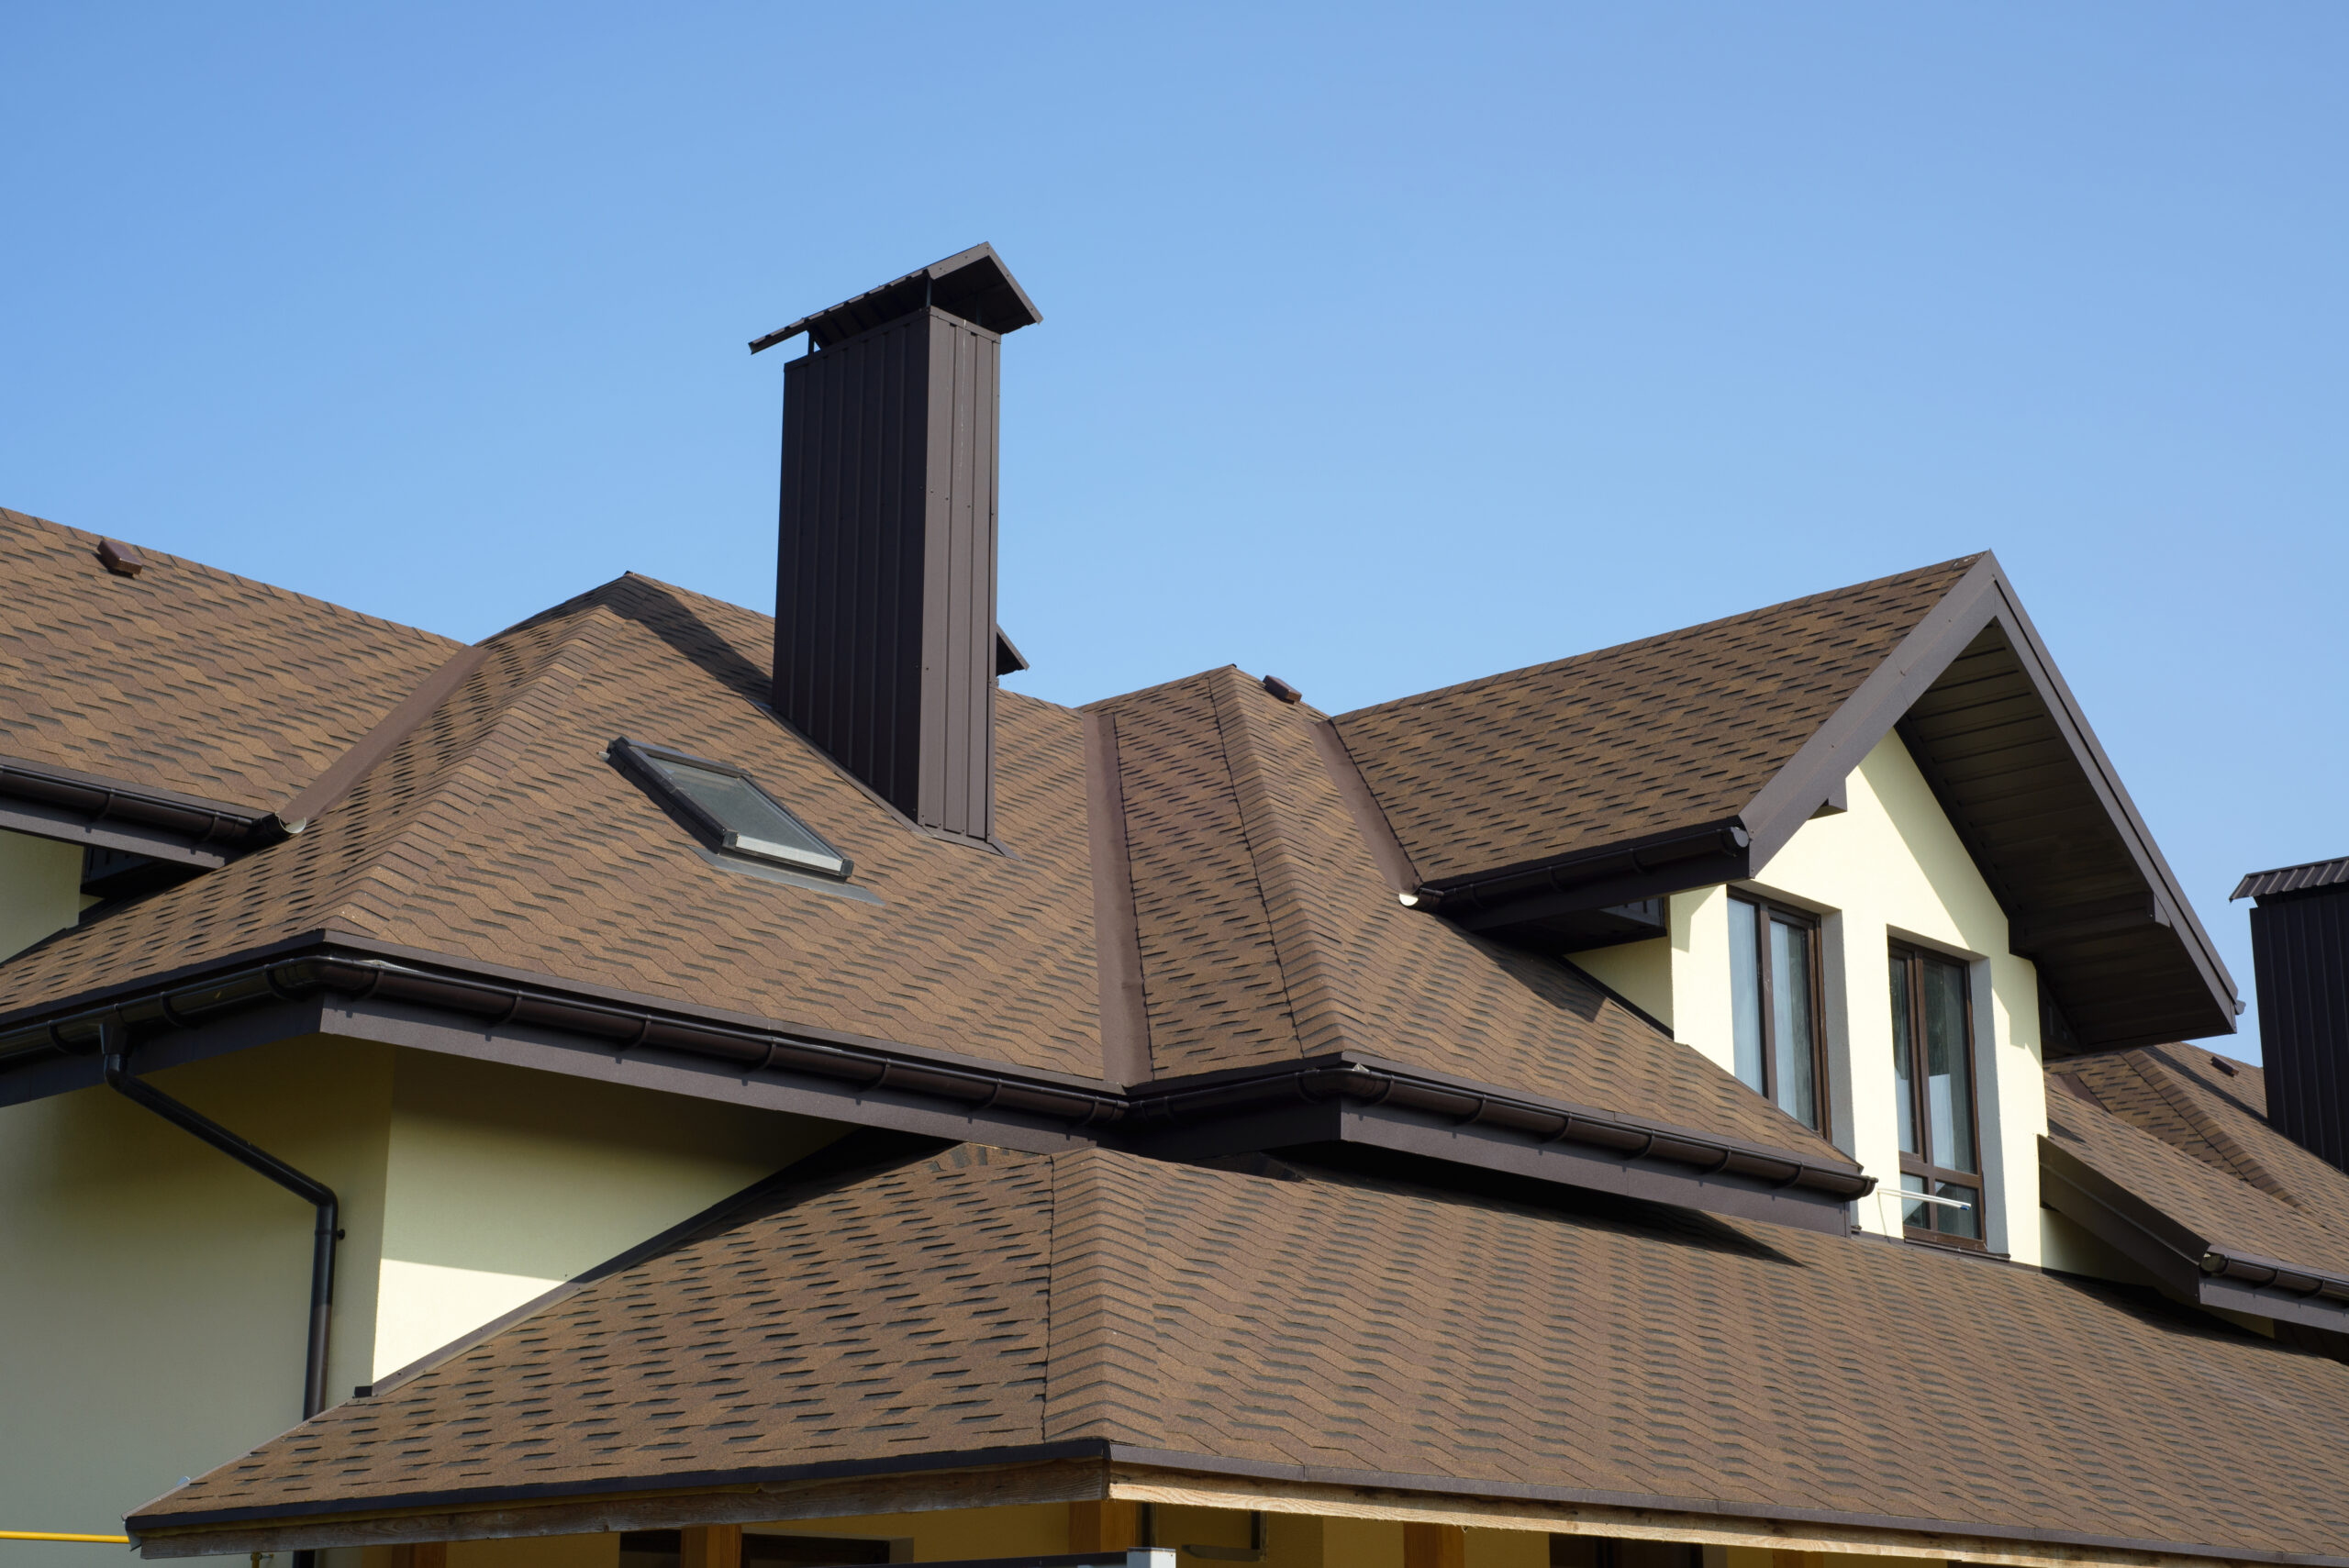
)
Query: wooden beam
[
  {"x": 1105, "y": 1526},
  {"x": 710, "y": 1546},
  {"x": 1331, "y": 1500},
  {"x": 1434, "y": 1546}
]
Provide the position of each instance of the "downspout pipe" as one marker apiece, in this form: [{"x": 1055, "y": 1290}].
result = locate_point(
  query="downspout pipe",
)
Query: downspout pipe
[{"x": 310, "y": 1190}]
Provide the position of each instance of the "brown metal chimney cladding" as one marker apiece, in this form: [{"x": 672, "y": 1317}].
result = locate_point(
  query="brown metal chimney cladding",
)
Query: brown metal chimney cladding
[{"x": 886, "y": 648}]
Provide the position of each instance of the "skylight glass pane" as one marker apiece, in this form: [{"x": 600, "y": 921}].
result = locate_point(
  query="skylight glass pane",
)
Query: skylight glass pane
[{"x": 754, "y": 824}]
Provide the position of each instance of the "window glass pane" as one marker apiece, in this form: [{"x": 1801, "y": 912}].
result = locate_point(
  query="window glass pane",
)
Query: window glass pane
[
  {"x": 1949, "y": 1089},
  {"x": 1793, "y": 1036},
  {"x": 1903, "y": 1085},
  {"x": 756, "y": 824},
  {"x": 1951, "y": 1221},
  {"x": 1915, "y": 1215},
  {"x": 1746, "y": 990},
  {"x": 1944, "y": 1218}
]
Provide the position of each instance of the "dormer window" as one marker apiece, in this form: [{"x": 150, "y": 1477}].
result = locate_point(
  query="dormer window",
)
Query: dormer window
[
  {"x": 1775, "y": 1002},
  {"x": 727, "y": 804}
]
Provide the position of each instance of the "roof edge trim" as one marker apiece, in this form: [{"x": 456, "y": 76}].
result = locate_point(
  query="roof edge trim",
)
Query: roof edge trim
[
  {"x": 49, "y": 801},
  {"x": 326, "y": 1523}
]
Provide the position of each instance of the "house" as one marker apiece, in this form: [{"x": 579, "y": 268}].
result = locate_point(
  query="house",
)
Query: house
[{"x": 666, "y": 1087}]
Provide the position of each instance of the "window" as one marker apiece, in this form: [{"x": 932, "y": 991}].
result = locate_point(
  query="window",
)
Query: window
[
  {"x": 1933, "y": 1069},
  {"x": 728, "y": 805},
  {"x": 1775, "y": 1002}
]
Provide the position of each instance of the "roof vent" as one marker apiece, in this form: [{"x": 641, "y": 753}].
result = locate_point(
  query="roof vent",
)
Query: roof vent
[
  {"x": 1281, "y": 689},
  {"x": 885, "y": 647},
  {"x": 120, "y": 558}
]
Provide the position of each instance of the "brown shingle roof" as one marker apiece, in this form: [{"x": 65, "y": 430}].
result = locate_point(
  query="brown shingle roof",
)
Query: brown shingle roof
[
  {"x": 499, "y": 834},
  {"x": 2194, "y": 1144},
  {"x": 1669, "y": 732},
  {"x": 186, "y": 678},
  {"x": 2216, "y": 1206},
  {"x": 981, "y": 1299},
  {"x": 1268, "y": 934}
]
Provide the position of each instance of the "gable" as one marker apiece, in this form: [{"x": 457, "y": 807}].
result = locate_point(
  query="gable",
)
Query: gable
[{"x": 1540, "y": 799}]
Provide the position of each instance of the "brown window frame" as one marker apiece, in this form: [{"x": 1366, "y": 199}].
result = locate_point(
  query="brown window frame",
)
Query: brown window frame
[
  {"x": 1766, "y": 909},
  {"x": 1917, "y": 1166}
]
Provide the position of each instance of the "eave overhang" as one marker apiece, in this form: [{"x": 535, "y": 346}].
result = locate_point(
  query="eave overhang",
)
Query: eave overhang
[
  {"x": 1998, "y": 734},
  {"x": 52, "y": 802},
  {"x": 1348, "y": 1099},
  {"x": 2190, "y": 1266},
  {"x": 344, "y": 985},
  {"x": 1088, "y": 1469}
]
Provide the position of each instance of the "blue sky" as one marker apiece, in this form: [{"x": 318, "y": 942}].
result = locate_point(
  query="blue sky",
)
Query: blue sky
[{"x": 1382, "y": 346}]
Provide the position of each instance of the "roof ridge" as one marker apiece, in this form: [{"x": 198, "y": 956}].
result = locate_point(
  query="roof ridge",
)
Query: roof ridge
[
  {"x": 1320, "y": 980},
  {"x": 1956, "y": 566},
  {"x": 417, "y": 829},
  {"x": 1100, "y": 1359}
]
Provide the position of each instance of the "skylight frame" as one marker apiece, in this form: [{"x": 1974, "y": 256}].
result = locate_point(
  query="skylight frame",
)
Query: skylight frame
[{"x": 647, "y": 763}]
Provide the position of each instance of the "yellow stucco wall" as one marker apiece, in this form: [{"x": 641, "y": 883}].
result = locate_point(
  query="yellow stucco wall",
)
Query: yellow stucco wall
[
  {"x": 1889, "y": 866},
  {"x": 502, "y": 1182},
  {"x": 40, "y": 890},
  {"x": 154, "y": 1292}
]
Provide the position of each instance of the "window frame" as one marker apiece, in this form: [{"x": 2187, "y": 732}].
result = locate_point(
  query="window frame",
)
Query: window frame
[
  {"x": 638, "y": 758},
  {"x": 1766, "y": 910},
  {"x": 1978, "y": 1179}
]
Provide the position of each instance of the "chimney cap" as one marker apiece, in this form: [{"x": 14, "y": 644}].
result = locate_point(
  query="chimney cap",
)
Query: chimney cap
[{"x": 973, "y": 285}]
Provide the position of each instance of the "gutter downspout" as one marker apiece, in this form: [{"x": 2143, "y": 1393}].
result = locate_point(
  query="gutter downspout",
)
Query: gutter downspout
[{"x": 309, "y": 1190}]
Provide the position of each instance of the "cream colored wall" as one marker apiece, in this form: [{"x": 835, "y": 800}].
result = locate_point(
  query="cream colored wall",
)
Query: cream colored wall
[
  {"x": 502, "y": 1182},
  {"x": 154, "y": 1292},
  {"x": 1889, "y": 866},
  {"x": 40, "y": 891},
  {"x": 1639, "y": 973}
]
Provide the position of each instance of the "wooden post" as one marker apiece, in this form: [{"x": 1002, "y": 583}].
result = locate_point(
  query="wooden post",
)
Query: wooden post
[
  {"x": 420, "y": 1555},
  {"x": 710, "y": 1546},
  {"x": 1105, "y": 1526},
  {"x": 1434, "y": 1546}
]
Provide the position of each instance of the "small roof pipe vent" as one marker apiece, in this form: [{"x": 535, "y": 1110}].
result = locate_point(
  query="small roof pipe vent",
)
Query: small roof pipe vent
[{"x": 885, "y": 645}]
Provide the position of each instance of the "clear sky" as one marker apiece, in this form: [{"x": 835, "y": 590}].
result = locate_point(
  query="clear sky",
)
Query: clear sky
[{"x": 1382, "y": 348}]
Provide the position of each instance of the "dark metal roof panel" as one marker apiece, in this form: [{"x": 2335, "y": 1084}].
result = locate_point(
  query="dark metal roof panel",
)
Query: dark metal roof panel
[
  {"x": 973, "y": 285},
  {"x": 2292, "y": 879}
]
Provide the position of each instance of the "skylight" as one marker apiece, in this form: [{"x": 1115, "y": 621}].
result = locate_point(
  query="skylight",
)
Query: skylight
[{"x": 728, "y": 804}]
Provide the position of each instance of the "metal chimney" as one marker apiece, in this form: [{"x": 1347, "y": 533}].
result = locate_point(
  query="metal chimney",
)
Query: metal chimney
[
  {"x": 885, "y": 647},
  {"x": 2299, "y": 946}
]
